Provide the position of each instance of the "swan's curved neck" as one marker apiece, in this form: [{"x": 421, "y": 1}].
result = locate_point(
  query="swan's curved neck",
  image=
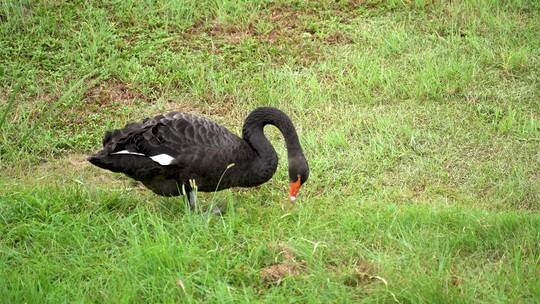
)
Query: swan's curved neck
[{"x": 253, "y": 133}]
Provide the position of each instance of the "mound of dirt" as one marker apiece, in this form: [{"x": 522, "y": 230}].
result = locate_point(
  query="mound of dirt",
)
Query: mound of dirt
[{"x": 289, "y": 266}]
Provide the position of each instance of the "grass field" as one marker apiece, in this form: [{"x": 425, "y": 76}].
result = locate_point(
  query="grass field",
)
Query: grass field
[{"x": 420, "y": 121}]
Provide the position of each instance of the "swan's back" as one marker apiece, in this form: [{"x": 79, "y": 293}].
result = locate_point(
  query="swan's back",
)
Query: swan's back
[{"x": 169, "y": 133}]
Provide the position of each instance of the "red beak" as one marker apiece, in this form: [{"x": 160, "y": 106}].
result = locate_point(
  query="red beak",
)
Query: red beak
[{"x": 294, "y": 188}]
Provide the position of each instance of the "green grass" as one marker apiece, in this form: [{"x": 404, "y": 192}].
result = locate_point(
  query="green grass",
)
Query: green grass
[{"x": 420, "y": 121}]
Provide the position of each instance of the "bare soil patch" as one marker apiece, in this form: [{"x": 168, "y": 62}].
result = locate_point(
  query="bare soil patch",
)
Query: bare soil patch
[
  {"x": 286, "y": 29},
  {"x": 112, "y": 91},
  {"x": 290, "y": 265},
  {"x": 361, "y": 274}
]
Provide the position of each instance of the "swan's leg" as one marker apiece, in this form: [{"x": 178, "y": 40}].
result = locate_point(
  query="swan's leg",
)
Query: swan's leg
[
  {"x": 218, "y": 210},
  {"x": 192, "y": 200}
]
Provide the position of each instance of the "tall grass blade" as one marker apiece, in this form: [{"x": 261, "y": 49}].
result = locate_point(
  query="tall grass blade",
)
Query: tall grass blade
[
  {"x": 53, "y": 107},
  {"x": 10, "y": 103}
]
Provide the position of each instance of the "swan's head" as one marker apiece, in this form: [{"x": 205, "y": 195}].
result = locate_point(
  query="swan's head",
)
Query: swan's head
[{"x": 298, "y": 175}]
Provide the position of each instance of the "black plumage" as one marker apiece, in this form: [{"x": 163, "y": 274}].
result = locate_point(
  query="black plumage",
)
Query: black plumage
[{"x": 169, "y": 150}]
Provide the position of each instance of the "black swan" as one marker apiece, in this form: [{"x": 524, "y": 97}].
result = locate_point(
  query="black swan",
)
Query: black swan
[{"x": 171, "y": 153}]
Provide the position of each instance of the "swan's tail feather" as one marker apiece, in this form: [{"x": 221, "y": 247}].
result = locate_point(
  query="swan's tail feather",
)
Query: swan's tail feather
[{"x": 131, "y": 165}]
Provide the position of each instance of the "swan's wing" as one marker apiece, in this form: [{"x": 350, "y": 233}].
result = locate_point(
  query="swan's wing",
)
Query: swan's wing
[
  {"x": 172, "y": 138},
  {"x": 186, "y": 129}
]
